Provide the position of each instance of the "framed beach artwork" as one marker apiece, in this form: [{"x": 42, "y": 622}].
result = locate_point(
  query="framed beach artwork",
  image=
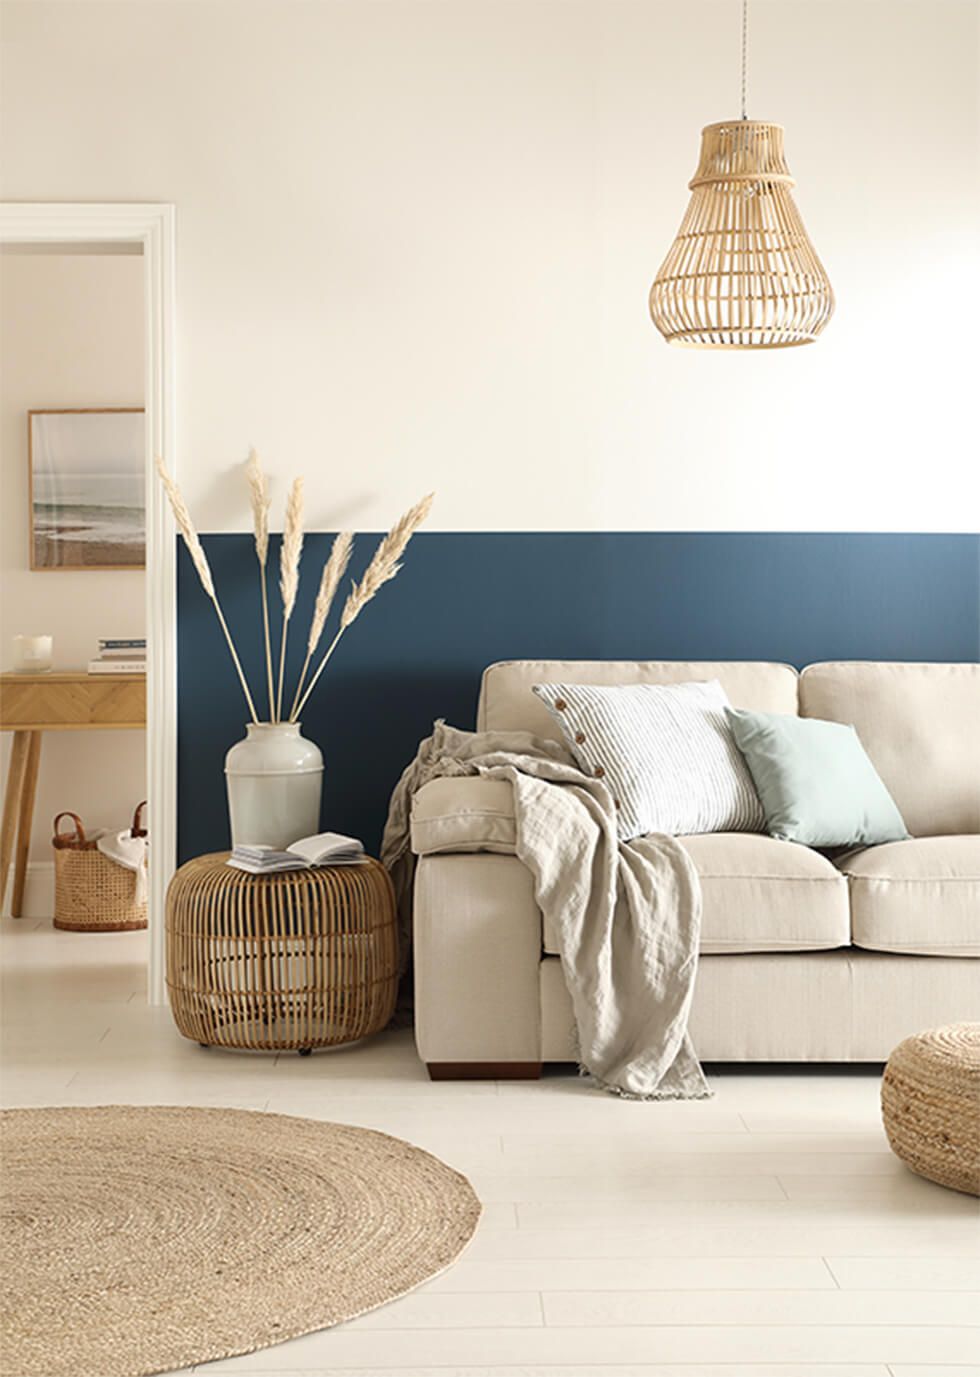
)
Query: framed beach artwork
[{"x": 88, "y": 488}]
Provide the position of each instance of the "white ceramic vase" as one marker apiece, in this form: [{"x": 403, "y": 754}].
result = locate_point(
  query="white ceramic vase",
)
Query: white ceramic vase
[{"x": 274, "y": 780}]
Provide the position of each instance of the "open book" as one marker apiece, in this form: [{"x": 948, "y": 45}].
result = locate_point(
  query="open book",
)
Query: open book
[{"x": 326, "y": 848}]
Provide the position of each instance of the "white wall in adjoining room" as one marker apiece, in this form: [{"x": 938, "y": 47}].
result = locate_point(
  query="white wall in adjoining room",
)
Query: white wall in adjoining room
[
  {"x": 415, "y": 240},
  {"x": 71, "y": 334}
]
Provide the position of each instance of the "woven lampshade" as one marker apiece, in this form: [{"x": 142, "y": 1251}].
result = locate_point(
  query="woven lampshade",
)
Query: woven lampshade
[{"x": 742, "y": 273}]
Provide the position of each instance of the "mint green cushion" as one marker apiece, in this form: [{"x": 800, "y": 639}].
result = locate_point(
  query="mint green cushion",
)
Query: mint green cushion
[{"x": 815, "y": 781}]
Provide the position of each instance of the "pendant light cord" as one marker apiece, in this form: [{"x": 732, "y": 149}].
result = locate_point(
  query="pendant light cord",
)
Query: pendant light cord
[{"x": 745, "y": 55}]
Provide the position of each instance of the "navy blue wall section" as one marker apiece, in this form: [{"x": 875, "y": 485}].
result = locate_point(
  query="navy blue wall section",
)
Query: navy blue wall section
[{"x": 465, "y": 600}]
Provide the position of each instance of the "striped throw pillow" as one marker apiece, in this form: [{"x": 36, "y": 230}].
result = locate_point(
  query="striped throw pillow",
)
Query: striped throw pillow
[{"x": 665, "y": 751}]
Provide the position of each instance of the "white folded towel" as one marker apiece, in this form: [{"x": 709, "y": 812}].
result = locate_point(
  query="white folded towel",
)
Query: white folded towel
[{"x": 129, "y": 852}]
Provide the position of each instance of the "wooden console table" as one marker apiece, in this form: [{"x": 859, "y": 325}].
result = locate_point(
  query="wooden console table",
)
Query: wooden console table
[{"x": 58, "y": 702}]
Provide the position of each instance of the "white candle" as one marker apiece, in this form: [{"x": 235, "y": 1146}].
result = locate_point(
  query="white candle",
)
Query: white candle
[{"x": 33, "y": 654}]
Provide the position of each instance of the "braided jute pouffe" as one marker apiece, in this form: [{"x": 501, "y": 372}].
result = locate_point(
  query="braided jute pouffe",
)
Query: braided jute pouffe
[
  {"x": 142, "y": 1240},
  {"x": 930, "y": 1103}
]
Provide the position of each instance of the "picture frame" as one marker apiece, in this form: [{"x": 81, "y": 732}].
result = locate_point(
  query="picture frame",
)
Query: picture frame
[{"x": 87, "y": 488}]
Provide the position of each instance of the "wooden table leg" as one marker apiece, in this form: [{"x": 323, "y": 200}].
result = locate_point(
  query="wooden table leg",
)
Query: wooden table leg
[
  {"x": 11, "y": 804},
  {"x": 24, "y": 821}
]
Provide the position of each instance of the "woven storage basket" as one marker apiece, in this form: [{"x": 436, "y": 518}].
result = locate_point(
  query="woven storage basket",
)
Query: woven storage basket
[
  {"x": 930, "y": 1104},
  {"x": 92, "y": 893}
]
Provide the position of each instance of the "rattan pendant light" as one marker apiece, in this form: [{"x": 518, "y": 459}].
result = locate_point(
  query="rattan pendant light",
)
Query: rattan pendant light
[{"x": 742, "y": 273}]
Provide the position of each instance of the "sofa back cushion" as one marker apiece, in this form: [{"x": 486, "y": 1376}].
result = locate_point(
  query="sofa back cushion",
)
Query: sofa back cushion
[
  {"x": 920, "y": 724},
  {"x": 507, "y": 703}
]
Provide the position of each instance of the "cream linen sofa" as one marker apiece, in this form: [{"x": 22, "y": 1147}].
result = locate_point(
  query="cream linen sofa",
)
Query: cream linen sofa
[{"x": 802, "y": 959}]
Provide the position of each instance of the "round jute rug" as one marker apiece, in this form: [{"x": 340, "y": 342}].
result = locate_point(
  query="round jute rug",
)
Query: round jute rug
[{"x": 139, "y": 1240}]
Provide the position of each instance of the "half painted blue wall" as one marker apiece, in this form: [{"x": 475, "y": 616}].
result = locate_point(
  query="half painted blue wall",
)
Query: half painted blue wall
[{"x": 465, "y": 600}]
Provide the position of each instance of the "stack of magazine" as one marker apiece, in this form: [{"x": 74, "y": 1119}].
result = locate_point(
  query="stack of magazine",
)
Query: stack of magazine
[
  {"x": 120, "y": 655},
  {"x": 326, "y": 848}
]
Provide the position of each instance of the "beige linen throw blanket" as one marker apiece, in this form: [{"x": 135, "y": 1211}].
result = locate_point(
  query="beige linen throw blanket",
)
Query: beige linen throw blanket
[{"x": 628, "y": 914}]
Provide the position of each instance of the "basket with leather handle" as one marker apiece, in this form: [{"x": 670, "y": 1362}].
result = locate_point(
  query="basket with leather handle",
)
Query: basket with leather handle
[{"x": 91, "y": 892}]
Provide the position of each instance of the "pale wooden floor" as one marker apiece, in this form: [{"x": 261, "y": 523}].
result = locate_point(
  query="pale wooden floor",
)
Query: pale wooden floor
[{"x": 768, "y": 1231}]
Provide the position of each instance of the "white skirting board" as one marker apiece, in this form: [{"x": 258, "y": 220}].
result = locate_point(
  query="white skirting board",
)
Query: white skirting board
[{"x": 38, "y": 890}]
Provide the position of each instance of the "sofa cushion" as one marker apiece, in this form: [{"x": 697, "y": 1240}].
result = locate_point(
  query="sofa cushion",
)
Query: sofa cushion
[
  {"x": 463, "y": 813},
  {"x": 920, "y": 896},
  {"x": 920, "y": 724},
  {"x": 507, "y": 703},
  {"x": 760, "y": 894}
]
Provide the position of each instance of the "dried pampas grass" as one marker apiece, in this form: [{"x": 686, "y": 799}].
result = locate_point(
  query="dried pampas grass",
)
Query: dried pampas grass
[
  {"x": 290, "y": 553},
  {"x": 334, "y": 569},
  {"x": 333, "y": 572},
  {"x": 382, "y": 569},
  {"x": 186, "y": 527},
  {"x": 196, "y": 550},
  {"x": 292, "y": 548},
  {"x": 258, "y": 489},
  {"x": 384, "y": 565}
]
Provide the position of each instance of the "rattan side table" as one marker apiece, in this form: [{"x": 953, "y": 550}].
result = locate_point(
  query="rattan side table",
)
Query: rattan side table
[{"x": 302, "y": 959}]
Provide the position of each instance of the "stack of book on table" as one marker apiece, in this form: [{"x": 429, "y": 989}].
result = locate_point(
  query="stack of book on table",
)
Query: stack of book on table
[
  {"x": 326, "y": 848},
  {"x": 120, "y": 656}
]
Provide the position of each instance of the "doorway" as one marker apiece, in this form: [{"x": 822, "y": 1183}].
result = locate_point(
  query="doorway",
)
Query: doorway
[{"x": 128, "y": 250}]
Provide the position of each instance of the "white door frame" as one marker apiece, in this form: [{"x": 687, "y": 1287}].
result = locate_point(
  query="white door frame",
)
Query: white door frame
[{"x": 152, "y": 226}]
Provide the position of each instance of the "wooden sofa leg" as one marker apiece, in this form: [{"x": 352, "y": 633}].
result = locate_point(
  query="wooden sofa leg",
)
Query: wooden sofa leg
[{"x": 483, "y": 1070}]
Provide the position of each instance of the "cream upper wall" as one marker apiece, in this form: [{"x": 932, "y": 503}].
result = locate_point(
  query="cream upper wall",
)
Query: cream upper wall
[
  {"x": 415, "y": 239},
  {"x": 71, "y": 334}
]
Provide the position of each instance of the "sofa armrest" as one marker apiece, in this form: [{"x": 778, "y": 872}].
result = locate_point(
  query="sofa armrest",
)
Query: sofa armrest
[
  {"x": 463, "y": 813},
  {"x": 477, "y": 950}
]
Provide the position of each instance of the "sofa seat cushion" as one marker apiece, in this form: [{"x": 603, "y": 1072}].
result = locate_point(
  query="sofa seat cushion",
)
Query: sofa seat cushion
[
  {"x": 920, "y": 896},
  {"x": 463, "y": 813},
  {"x": 760, "y": 894}
]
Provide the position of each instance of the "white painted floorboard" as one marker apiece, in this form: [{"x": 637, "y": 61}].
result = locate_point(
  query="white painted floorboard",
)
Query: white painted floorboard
[{"x": 768, "y": 1232}]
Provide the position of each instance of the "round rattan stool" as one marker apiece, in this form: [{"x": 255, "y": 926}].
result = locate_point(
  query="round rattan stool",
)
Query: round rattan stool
[
  {"x": 930, "y": 1103},
  {"x": 302, "y": 959}
]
